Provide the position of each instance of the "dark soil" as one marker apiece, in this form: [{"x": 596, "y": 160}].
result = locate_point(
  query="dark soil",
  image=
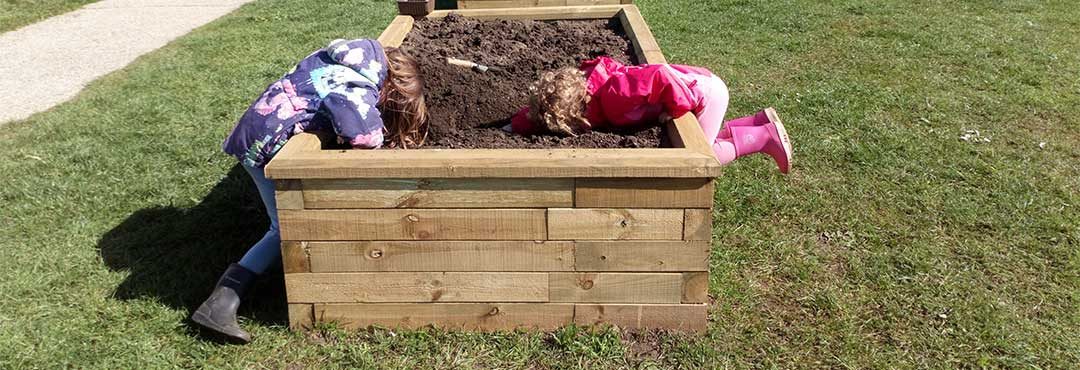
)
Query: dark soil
[{"x": 467, "y": 108}]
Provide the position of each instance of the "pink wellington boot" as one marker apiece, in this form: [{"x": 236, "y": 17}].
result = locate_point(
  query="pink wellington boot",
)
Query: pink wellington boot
[
  {"x": 756, "y": 119},
  {"x": 762, "y": 117},
  {"x": 770, "y": 138}
]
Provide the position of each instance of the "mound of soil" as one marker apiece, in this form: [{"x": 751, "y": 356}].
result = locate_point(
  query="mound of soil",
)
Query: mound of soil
[{"x": 467, "y": 108}]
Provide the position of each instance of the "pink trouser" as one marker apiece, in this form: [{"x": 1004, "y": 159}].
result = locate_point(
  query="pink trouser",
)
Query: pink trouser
[{"x": 712, "y": 95}]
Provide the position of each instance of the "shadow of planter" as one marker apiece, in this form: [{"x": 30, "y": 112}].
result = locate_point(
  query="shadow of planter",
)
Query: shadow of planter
[{"x": 175, "y": 255}]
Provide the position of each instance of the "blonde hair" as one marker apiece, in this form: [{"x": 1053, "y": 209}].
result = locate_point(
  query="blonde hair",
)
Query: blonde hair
[
  {"x": 401, "y": 102},
  {"x": 557, "y": 101}
]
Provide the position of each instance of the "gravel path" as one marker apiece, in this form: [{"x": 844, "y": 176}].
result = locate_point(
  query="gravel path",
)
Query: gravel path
[{"x": 49, "y": 62}]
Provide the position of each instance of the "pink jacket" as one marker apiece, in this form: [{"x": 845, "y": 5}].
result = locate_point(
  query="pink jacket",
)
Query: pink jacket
[{"x": 624, "y": 96}]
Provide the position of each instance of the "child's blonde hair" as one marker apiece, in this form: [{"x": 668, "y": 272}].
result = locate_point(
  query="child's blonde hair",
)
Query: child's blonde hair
[
  {"x": 401, "y": 102},
  {"x": 557, "y": 101}
]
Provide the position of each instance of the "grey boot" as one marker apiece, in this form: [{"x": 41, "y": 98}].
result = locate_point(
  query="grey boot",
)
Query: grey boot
[{"x": 218, "y": 313}]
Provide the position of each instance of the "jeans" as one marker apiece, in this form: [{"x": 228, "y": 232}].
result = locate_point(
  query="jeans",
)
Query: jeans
[{"x": 267, "y": 251}]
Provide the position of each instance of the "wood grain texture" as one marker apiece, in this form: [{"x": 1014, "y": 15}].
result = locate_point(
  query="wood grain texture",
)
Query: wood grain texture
[
  {"x": 395, "y": 33},
  {"x": 492, "y": 163},
  {"x": 304, "y": 142},
  {"x": 616, "y": 287},
  {"x": 438, "y": 193},
  {"x": 413, "y": 224},
  {"x": 654, "y": 57},
  {"x": 301, "y": 316},
  {"x": 682, "y": 317},
  {"x": 695, "y": 287},
  {"x": 441, "y": 256},
  {"x": 490, "y": 4},
  {"x": 536, "y": 13},
  {"x": 698, "y": 224},
  {"x": 300, "y": 144},
  {"x": 641, "y": 256},
  {"x": 294, "y": 257},
  {"x": 456, "y": 316},
  {"x": 614, "y": 224},
  {"x": 376, "y": 287},
  {"x": 644, "y": 193},
  {"x": 638, "y": 32},
  {"x": 288, "y": 194}
]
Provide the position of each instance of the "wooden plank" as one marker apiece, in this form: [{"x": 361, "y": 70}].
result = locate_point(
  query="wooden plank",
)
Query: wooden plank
[
  {"x": 492, "y": 163},
  {"x": 302, "y": 142},
  {"x": 376, "y": 287},
  {"x": 690, "y": 136},
  {"x": 638, "y": 32},
  {"x": 698, "y": 224},
  {"x": 644, "y": 193},
  {"x": 438, "y": 193},
  {"x": 616, "y": 287},
  {"x": 641, "y": 256},
  {"x": 683, "y": 317},
  {"x": 459, "y": 316},
  {"x": 653, "y": 57},
  {"x": 288, "y": 194},
  {"x": 673, "y": 134},
  {"x": 294, "y": 256},
  {"x": 413, "y": 224},
  {"x": 614, "y": 223},
  {"x": 441, "y": 256},
  {"x": 395, "y": 33},
  {"x": 299, "y": 144},
  {"x": 490, "y": 4},
  {"x": 301, "y": 316},
  {"x": 537, "y": 13},
  {"x": 695, "y": 287}
]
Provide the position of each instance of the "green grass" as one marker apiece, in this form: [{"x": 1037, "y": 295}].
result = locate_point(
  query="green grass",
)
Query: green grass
[
  {"x": 893, "y": 244},
  {"x": 18, "y": 13}
]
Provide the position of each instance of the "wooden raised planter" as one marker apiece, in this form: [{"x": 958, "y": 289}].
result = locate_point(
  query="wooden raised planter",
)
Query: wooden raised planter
[{"x": 493, "y": 239}]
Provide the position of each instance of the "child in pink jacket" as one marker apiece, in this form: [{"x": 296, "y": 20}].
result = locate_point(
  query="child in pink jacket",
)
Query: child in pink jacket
[{"x": 605, "y": 94}]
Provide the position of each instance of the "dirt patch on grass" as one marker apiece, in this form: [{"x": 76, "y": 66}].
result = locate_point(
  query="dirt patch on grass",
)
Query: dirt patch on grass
[{"x": 468, "y": 108}]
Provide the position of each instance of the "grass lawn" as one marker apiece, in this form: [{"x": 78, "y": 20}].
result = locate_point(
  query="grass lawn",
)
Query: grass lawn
[
  {"x": 893, "y": 244},
  {"x": 18, "y": 13}
]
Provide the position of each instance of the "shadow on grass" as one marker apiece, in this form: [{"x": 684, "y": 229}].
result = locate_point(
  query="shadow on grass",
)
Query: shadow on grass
[{"x": 175, "y": 255}]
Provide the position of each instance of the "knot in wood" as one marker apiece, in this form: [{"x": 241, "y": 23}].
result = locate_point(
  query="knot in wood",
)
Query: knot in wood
[
  {"x": 413, "y": 218},
  {"x": 624, "y": 223},
  {"x": 603, "y": 258},
  {"x": 587, "y": 284},
  {"x": 375, "y": 253},
  {"x": 494, "y": 311}
]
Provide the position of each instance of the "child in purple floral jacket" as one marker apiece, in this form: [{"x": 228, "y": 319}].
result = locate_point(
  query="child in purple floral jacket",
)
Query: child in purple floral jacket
[{"x": 364, "y": 93}]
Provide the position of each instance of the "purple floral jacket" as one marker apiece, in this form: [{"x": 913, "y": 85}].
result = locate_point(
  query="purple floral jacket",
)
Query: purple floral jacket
[{"x": 335, "y": 88}]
